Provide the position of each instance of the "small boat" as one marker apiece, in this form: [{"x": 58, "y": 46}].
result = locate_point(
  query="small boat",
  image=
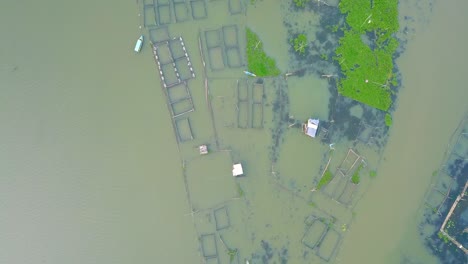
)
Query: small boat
[
  {"x": 139, "y": 44},
  {"x": 250, "y": 74}
]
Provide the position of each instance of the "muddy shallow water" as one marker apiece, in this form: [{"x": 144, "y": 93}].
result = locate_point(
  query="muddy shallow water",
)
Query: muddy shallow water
[{"x": 97, "y": 168}]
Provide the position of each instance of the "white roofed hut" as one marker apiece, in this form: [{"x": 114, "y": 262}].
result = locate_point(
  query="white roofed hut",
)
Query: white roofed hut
[
  {"x": 311, "y": 127},
  {"x": 237, "y": 170}
]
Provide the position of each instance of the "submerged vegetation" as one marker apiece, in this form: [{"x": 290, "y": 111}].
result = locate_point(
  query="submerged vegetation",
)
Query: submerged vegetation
[
  {"x": 443, "y": 237},
  {"x": 356, "y": 178},
  {"x": 240, "y": 191},
  {"x": 388, "y": 119},
  {"x": 326, "y": 178},
  {"x": 300, "y": 44},
  {"x": 366, "y": 50},
  {"x": 258, "y": 62},
  {"x": 301, "y": 3}
]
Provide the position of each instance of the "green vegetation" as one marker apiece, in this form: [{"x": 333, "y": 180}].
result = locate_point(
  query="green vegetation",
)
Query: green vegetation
[
  {"x": 355, "y": 178},
  {"x": 450, "y": 224},
  {"x": 257, "y": 61},
  {"x": 326, "y": 178},
  {"x": 344, "y": 227},
  {"x": 300, "y": 44},
  {"x": 232, "y": 254},
  {"x": 324, "y": 56},
  {"x": 301, "y": 3},
  {"x": 372, "y": 173},
  {"x": 333, "y": 28},
  {"x": 368, "y": 71},
  {"x": 388, "y": 119},
  {"x": 312, "y": 204},
  {"x": 443, "y": 237}
]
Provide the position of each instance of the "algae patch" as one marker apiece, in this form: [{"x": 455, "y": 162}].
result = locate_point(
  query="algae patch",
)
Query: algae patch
[
  {"x": 366, "y": 51},
  {"x": 258, "y": 62}
]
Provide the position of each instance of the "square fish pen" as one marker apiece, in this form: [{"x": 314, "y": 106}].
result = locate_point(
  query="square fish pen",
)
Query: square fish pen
[
  {"x": 235, "y": 7},
  {"x": 162, "y": 9},
  {"x": 159, "y": 34},
  {"x": 181, "y": 11},
  {"x": 349, "y": 163},
  {"x": 208, "y": 246},
  {"x": 180, "y": 100},
  {"x": 221, "y": 216},
  {"x": 199, "y": 10},
  {"x": 183, "y": 129}
]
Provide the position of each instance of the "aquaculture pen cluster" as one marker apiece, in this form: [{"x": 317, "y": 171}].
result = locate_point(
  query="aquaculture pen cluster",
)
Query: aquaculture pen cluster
[
  {"x": 223, "y": 48},
  {"x": 321, "y": 236},
  {"x": 444, "y": 225},
  {"x": 250, "y": 103},
  {"x": 215, "y": 198},
  {"x": 165, "y": 12}
]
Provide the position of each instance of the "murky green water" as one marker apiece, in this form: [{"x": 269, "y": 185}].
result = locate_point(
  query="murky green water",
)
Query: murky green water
[{"x": 91, "y": 171}]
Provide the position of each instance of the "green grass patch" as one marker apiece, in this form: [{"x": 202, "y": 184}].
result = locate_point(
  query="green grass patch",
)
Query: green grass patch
[
  {"x": 443, "y": 237},
  {"x": 372, "y": 174},
  {"x": 326, "y": 178},
  {"x": 301, "y": 3},
  {"x": 388, "y": 119},
  {"x": 368, "y": 73},
  {"x": 258, "y": 62},
  {"x": 356, "y": 178},
  {"x": 300, "y": 44}
]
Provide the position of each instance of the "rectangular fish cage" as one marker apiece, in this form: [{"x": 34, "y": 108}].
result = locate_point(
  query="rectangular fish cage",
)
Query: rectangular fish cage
[
  {"x": 329, "y": 245},
  {"x": 349, "y": 163},
  {"x": 234, "y": 57},
  {"x": 178, "y": 93},
  {"x": 216, "y": 58},
  {"x": 183, "y": 129},
  {"x": 258, "y": 92},
  {"x": 346, "y": 196},
  {"x": 257, "y": 115},
  {"x": 230, "y": 36},
  {"x": 235, "y": 7},
  {"x": 159, "y": 34},
  {"x": 163, "y": 14},
  {"x": 221, "y": 216},
  {"x": 181, "y": 11},
  {"x": 208, "y": 245},
  {"x": 243, "y": 115},
  {"x": 149, "y": 17},
  {"x": 199, "y": 9},
  {"x": 242, "y": 90},
  {"x": 315, "y": 233}
]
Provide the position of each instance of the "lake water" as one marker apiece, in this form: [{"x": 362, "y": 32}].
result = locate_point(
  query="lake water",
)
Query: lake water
[{"x": 91, "y": 170}]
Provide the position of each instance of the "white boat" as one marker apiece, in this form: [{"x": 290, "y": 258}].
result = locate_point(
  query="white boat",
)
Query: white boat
[
  {"x": 250, "y": 74},
  {"x": 139, "y": 44}
]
